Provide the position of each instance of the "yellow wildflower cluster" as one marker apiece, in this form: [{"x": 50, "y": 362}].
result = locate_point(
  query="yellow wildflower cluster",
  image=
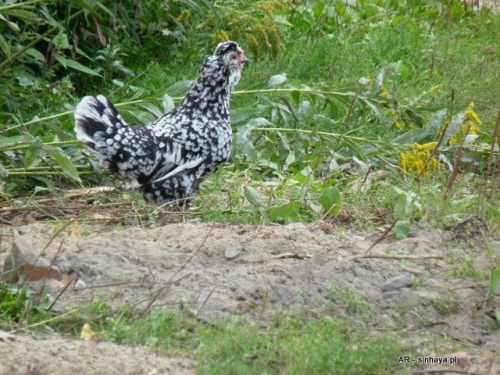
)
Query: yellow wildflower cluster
[
  {"x": 258, "y": 30},
  {"x": 384, "y": 92},
  {"x": 395, "y": 119},
  {"x": 184, "y": 16},
  {"x": 220, "y": 36},
  {"x": 471, "y": 122},
  {"x": 270, "y": 6},
  {"x": 416, "y": 159}
]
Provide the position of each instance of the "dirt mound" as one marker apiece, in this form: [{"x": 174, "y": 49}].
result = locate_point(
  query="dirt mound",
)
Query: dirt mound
[
  {"x": 217, "y": 271},
  {"x": 55, "y": 355}
]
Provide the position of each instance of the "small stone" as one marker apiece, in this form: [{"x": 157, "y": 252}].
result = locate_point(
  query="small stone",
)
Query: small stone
[
  {"x": 398, "y": 282},
  {"x": 23, "y": 259},
  {"x": 6, "y": 336},
  {"x": 231, "y": 253},
  {"x": 194, "y": 221},
  {"x": 80, "y": 284}
]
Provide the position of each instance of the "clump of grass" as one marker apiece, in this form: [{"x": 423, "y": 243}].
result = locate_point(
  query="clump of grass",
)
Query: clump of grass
[
  {"x": 446, "y": 305},
  {"x": 19, "y": 305},
  {"x": 285, "y": 345},
  {"x": 352, "y": 303}
]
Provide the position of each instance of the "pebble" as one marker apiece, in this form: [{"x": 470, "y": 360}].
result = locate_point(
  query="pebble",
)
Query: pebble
[
  {"x": 398, "y": 282},
  {"x": 231, "y": 253}
]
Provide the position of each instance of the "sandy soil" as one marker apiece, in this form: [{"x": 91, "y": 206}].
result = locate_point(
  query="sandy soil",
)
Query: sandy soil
[{"x": 218, "y": 271}]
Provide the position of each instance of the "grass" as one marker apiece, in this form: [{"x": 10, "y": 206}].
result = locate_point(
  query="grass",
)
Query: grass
[{"x": 288, "y": 344}]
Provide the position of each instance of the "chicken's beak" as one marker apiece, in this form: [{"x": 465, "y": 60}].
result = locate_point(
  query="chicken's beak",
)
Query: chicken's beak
[{"x": 244, "y": 60}]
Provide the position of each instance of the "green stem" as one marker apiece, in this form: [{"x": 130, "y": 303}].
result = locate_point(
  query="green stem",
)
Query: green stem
[
  {"x": 43, "y": 173},
  {"x": 244, "y": 92},
  {"x": 50, "y": 168},
  {"x": 59, "y": 143},
  {"x": 19, "y": 5},
  {"x": 311, "y": 91},
  {"x": 62, "y": 114},
  {"x": 334, "y": 135}
]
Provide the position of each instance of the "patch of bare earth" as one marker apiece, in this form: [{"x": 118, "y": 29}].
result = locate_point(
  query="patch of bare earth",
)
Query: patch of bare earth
[{"x": 219, "y": 271}]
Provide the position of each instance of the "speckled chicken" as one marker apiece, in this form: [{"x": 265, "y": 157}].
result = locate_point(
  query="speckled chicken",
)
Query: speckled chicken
[{"x": 166, "y": 158}]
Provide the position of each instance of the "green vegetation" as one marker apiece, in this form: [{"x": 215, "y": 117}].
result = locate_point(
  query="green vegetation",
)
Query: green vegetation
[
  {"x": 382, "y": 88},
  {"x": 446, "y": 305},
  {"x": 359, "y": 113},
  {"x": 285, "y": 345}
]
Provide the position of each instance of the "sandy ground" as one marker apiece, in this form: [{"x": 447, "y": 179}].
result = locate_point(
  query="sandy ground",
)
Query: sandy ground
[{"x": 219, "y": 271}]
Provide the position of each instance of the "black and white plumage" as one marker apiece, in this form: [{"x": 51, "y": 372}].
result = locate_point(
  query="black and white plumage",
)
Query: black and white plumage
[{"x": 166, "y": 158}]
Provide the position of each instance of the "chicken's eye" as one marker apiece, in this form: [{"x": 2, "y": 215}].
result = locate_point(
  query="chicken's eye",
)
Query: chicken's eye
[{"x": 234, "y": 56}]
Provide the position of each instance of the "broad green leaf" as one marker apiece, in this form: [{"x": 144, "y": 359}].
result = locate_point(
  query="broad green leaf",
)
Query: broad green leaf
[
  {"x": 436, "y": 123},
  {"x": 303, "y": 175},
  {"x": 180, "y": 88},
  {"x": 302, "y": 111},
  {"x": 396, "y": 20},
  {"x": 285, "y": 211},
  {"x": 66, "y": 165},
  {"x": 151, "y": 108},
  {"x": 414, "y": 117},
  {"x": 243, "y": 144},
  {"x": 402, "y": 229},
  {"x": 240, "y": 115},
  {"x": 36, "y": 54},
  {"x": 331, "y": 200},
  {"x": 253, "y": 197},
  {"x": 168, "y": 103},
  {"x": 5, "y": 47},
  {"x": 38, "y": 189},
  {"x": 12, "y": 25},
  {"x": 276, "y": 80},
  {"x": 295, "y": 96},
  {"x": 402, "y": 208},
  {"x": 354, "y": 147},
  {"x": 142, "y": 117},
  {"x": 405, "y": 72},
  {"x": 32, "y": 152},
  {"x": 459, "y": 206},
  {"x": 453, "y": 127},
  {"x": 412, "y": 136},
  {"x": 417, "y": 135},
  {"x": 6, "y": 142},
  {"x": 372, "y": 106},
  {"x": 494, "y": 282},
  {"x": 68, "y": 63}
]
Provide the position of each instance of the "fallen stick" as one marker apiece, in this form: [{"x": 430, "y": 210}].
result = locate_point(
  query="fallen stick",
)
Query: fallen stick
[{"x": 399, "y": 257}]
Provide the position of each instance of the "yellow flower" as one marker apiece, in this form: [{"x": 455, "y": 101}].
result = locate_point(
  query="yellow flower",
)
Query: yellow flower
[
  {"x": 393, "y": 112},
  {"x": 184, "y": 16},
  {"x": 471, "y": 115},
  {"x": 471, "y": 123},
  {"x": 418, "y": 159},
  {"x": 221, "y": 36},
  {"x": 384, "y": 92},
  {"x": 424, "y": 147},
  {"x": 397, "y": 124},
  {"x": 254, "y": 46}
]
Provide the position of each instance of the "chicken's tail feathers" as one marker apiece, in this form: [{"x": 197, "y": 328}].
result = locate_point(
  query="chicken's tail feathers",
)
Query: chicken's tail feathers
[{"x": 96, "y": 118}]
